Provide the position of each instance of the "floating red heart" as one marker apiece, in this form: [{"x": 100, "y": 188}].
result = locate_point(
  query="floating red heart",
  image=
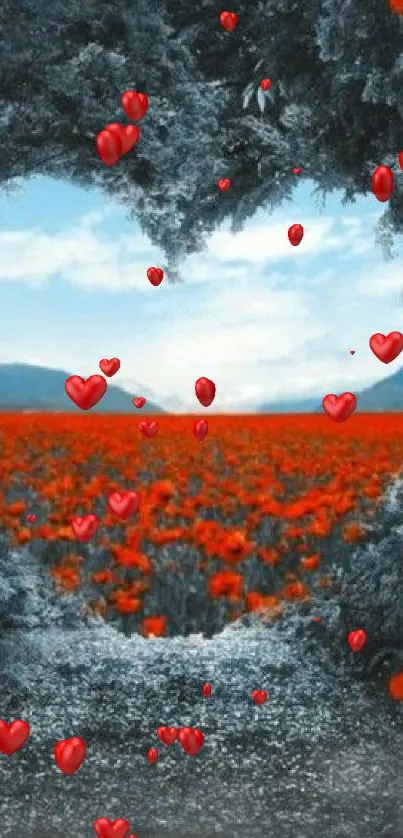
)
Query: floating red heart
[
  {"x": 139, "y": 401},
  {"x": 13, "y": 736},
  {"x": 382, "y": 183},
  {"x": 124, "y": 504},
  {"x": 135, "y": 104},
  {"x": 339, "y": 408},
  {"x": 265, "y": 84},
  {"x": 228, "y": 20},
  {"x": 109, "y": 367},
  {"x": 386, "y": 347},
  {"x": 352, "y": 351},
  {"x": 31, "y": 519},
  {"x": 84, "y": 528},
  {"x": 207, "y": 690},
  {"x": 168, "y": 735},
  {"x": 148, "y": 429},
  {"x": 191, "y": 739},
  {"x": 109, "y": 147},
  {"x": 85, "y": 393},
  {"x": 155, "y": 275},
  {"x": 200, "y": 429},
  {"x": 111, "y": 829},
  {"x": 259, "y": 696},
  {"x": 69, "y": 754},
  {"x": 396, "y": 6},
  {"x": 297, "y": 170},
  {"x": 152, "y": 755},
  {"x": 128, "y": 135},
  {"x": 224, "y": 184},
  {"x": 295, "y": 234},
  {"x": 205, "y": 391},
  {"x": 400, "y": 158},
  {"x": 357, "y": 639}
]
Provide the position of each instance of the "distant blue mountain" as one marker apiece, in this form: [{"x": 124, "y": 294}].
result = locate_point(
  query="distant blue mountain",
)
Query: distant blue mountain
[
  {"x": 385, "y": 396},
  {"x": 29, "y": 387}
]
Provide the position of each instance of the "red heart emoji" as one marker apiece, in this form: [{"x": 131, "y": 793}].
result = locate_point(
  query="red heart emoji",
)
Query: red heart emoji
[
  {"x": 148, "y": 429},
  {"x": 205, "y": 391},
  {"x": 111, "y": 829},
  {"x": 155, "y": 275},
  {"x": 128, "y": 135},
  {"x": 295, "y": 234},
  {"x": 152, "y": 755},
  {"x": 69, "y": 754},
  {"x": 400, "y": 158},
  {"x": 85, "y": 528},
  {"x": 224, "y": 184},
  {"x": 31, "y": 519},
  {"x": 259, "y": 696},
  {"x": 207, "y": 690},
  {"x": 109, "y": 367},
  {"x": 139, "y": 401},
  {"x": 135, "y": 104},
  {"x": 297, "y": 170},
  {"x": 13, "y": 736},
  {"x": 191, "y": 739},
  {"x": 339, "y": 408},
  {"x": 200, "y": 429},
  {"x": 85, "y": 393},
  {"x": 352, "y": 351},
  {"x": 386, "y": 347},
  {"x": 168, "y": 735},
  {"x": 265, "y": 84},
  {"x": 228, "y": 20},
  {"x": 357, "y": 639},
  {"x": 109, "y": 147},
  {"x": 124, "y": 504}
]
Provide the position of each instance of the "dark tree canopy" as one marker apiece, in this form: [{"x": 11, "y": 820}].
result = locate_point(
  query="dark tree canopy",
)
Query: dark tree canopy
[{"x": 335, "y": 106}]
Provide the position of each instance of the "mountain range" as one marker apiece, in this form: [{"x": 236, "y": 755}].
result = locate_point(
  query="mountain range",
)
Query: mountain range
[{"x": 30, "y": 387}]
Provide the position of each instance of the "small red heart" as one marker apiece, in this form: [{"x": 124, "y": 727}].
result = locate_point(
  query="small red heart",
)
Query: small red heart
[
  {"x": 111, "y": 829},
  {"x": 109, "y": 367},
  {"x": 31, "y": 519},
  {"x": 135, "y": 104},
  {"x": 109, "y": 147},
  {"x": 297, "y": 170},
  {"x": 352, "y": 351},
  {"x": 148, "y": 429},
  {"x": 13, "y": 736},
  {"x": 228, "y": 20},
  {"x": 139, "y": 401},
  {"x": 85, "y": 528},
  {"x": 155, "y": 275},
  {"x": 152, "y": 755},
  {"x": 401, "y": 159},
  {"x": 128, "y": 135},
  {"x": 265, "y": 84},
  {"x": 224, "y": 184},
  {"x": 295, "y": 234},
  {"x": 191, "y": 739},
  {"x": 386, "y": 347},
  {"x": 85, "y": 393},
  {"x": 168, "y": 735},
  {"x": 339, "y": 408},
  {"x": 124, "y": 504},
  {"x": 259, "y": 696},
  {"x": 69, "y": 754},
  {"x": 317, "y": 619},
  {"x": 207, "y": 690},
  {"x": 200, "y": 429},
  {"x": 357, "y": 639},
  {"x": 205, "y": 390}
]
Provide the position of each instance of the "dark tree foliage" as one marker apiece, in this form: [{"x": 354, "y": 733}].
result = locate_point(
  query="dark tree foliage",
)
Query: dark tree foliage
[{"x": 335, "y": 107}]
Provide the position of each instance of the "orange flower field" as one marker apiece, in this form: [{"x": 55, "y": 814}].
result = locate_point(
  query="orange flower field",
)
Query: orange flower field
[{"x": 253, "y": 517}]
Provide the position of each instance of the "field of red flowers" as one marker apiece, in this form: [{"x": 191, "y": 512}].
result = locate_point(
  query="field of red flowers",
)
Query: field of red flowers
[{"x": 253, "y": 517}]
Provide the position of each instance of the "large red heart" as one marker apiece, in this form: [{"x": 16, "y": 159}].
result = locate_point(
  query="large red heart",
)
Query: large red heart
[
  {"x": 109, "y": 366},
  {"x": 191, "y": 739},
  {"x": 228, "y": 20},
  {"x": 69, "y": 754},
  {"x": 148, "y": 429},
  {"x": 386, "y": 347},
  {"x": 129, "y": 135},
  {"x": 85, "y": 393},
  {"x": 135, "y": 104},
  {"x": 109, "y": 147},
  {"x": 155, "y": 276},
  {"x": 339, "y": 408},
  {"x": 13, "y": 736},
  {"x": 123, "y": 504},
  {"x": 111, "y": 829},
  {"x": 205, "y": 391},
  {"x": 168, "y": 735},
  {"x": 85, "y": 528}
]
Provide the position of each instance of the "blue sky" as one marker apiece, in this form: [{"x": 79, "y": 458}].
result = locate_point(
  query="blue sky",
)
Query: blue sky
[{"x": 263, "y": 319}]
